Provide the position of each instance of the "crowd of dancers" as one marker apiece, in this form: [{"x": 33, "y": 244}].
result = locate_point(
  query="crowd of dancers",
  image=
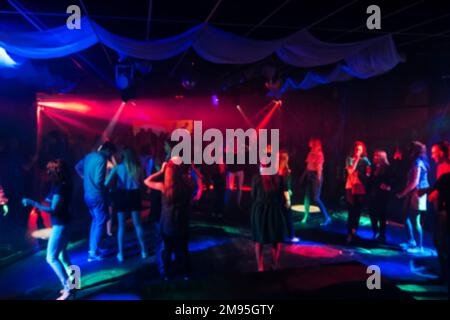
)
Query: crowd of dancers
[{"x": 117, "y": 178}]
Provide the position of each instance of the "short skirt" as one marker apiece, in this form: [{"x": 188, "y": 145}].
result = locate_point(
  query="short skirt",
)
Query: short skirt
[{"x": 127, "y": 200}]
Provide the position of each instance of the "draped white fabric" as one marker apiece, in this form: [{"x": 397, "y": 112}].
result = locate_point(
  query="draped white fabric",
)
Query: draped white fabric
[{"x": 358, "y": 59}]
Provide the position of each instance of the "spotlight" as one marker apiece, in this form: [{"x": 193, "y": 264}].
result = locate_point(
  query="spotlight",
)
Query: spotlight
[
  {"x": 125, "y": 80},
  {"x": 188, "y": 83}
]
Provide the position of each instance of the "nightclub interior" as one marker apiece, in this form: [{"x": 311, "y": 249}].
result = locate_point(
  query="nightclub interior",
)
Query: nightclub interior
[{"x": 98, "y": 203}]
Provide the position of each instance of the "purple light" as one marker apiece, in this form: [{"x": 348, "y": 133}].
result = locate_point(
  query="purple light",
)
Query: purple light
[{"x": 215, "y": 100}]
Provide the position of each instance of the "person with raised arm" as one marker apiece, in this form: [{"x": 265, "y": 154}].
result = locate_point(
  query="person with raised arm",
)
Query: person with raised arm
[
  {"x": 177, "y": 193},
  {"x": 58, "y": 207}
]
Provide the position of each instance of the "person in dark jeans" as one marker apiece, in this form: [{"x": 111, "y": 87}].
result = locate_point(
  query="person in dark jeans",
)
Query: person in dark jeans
[
  {"x": 358, "y": 170},
  {"x": 415, "y": 201},
  {"x": 59, "y": 209},
  {"x": 177, "y": 194},
  {"x": 92, "y": 168},
  {"x": 379, "y": 190}
]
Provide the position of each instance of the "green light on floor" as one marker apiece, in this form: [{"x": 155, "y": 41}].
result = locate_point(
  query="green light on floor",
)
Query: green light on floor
[
  {"x": 226, "y": 229},
  {"x": 103, "y": 275},
  {"x": 429, "y": 298},
  {"x": 378, "y": 252},
  {"x": 418, "y": 288},
  {"x": 364, "y": 220}
]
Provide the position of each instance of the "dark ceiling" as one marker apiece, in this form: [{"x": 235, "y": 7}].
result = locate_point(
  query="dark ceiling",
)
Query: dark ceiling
[{"x": 419, "y": 27}]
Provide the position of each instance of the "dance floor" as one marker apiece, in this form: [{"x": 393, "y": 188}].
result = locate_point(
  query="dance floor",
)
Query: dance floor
[{"x": 224, "y": 267}]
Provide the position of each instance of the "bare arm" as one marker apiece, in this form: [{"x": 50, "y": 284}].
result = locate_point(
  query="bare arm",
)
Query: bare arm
[
  {"x": 51, "y": 209},
  {"x": 414, "y": 181},
  {"x": 151, "y": 181},
  {"x": 351, "y": 168}
]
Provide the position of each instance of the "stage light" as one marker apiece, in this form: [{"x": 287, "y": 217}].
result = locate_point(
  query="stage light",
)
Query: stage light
[
  {"x": 247, "y": 120},
  {"x": 188, "y": 83},
  {"x": 279, "y": 102},
  {"x": 114, "y": 120},
  {"x": 66, "y": 106},
  {"x": 6, "y": 60}
]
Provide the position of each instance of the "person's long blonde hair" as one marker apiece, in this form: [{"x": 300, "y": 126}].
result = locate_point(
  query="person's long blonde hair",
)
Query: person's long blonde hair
[{"x": 129, "y": 159}]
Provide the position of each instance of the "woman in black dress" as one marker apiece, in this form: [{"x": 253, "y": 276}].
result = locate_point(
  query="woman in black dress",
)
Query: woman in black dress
[
  {"x": 267, "y": 216},
  {"x": 176, "y": 190}
]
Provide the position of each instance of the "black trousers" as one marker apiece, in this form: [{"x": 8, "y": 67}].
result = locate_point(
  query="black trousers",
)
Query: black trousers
[
  {"x": 441, "y": 241},
  {"x": 377, "y": 211},
  {"x": 355, "y": 204},
  {"x": 219, "y": 182},
  {"x": 178, "y": 245}
]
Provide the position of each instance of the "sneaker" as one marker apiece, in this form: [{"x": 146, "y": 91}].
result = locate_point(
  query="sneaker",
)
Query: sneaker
[
  {"x": 65, "y": 295},
  {"x": 93, "y": 258},
  {"x": 119, "y": 257}
]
